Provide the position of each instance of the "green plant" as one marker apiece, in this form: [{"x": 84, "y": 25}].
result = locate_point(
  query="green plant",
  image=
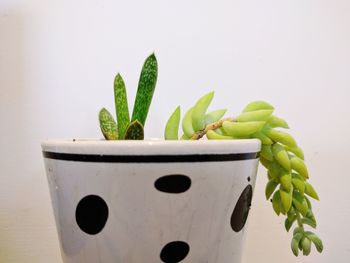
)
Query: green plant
[
  {"x": 124, "y": 128},
  {"x": 286, "y": 171}
]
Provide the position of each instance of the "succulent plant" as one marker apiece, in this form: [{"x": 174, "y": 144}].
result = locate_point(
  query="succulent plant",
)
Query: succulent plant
[{"x": 287, "y": 187}]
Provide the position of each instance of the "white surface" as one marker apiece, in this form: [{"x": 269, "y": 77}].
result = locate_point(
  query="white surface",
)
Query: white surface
[
  {"x": 151, "y": 147},
  {"x": 58, "y": 60}
]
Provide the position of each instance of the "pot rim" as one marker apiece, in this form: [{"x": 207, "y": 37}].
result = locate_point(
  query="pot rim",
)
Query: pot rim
[{"x": 150, "y": 146}]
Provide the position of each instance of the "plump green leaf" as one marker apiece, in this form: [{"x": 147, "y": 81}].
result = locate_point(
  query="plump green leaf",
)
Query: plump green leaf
[
  {"x": 299, "y": 185},
  {"x": 258, "y": 105},
  {"x": 187, "y": 126},
  {"x": 281, "y": 137},
  {"x": 297, "y": 151},
  {"x": 286, "y": 181},
  {"x": 300, "y": 203},
  {"x": 214, "y": 116},
  {"x": 213, "y": 135},
  {"x": 172, "y": 126},
  {"x": 258, "y": 115},
  {"x": 310, "y": 191},
  {"x": 299, "y": 166},
  {"x": 275, "y": 122},
  {"x": 263, "y": 138},
  {"x": 306, "y": 245},
  {"x": 270, "y": 188},
  {"x": 281, "y": 156},
  {"x": 316, "y": 240},
  {"x": 266, "y": 152},
  {"x": 242, "y": 129},
  {"x": 295, "y": 243},
  {"x": 288, "y": 223},
  {"x": 286, "y": 200},
  {"x": 199, "y": 109},
  {"x": 276, "y": 203},
  {"x": 309, "y": 222}
]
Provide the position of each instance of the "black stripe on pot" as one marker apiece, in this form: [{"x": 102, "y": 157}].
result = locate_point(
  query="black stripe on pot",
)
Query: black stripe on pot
[
  {"x": 174, "y": 252},
  {"x": 240, "y": 212},
  {"x": 173, "y": 183},
  {"x": 91, "y": 214},
  {"x": 100, "y": 158}
]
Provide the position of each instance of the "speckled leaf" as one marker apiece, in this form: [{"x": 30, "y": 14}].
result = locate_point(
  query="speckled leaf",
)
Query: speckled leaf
[
  {"x": 121, "y": 105},
  {"x": 107, "y": 124},
  {"x": 147, "y": 84},
  {"x": 134, "y": 131}
]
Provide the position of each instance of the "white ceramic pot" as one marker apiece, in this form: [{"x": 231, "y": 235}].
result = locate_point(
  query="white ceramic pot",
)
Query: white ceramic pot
[{"x": 151, "y": 201}]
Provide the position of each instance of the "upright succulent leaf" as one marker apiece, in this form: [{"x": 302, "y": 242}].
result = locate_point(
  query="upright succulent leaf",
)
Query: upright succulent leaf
[
  {"x": 187, "y": 126},
  {"x": 107, "y": 124},
  {"x": 172, "y": 126},
  {"x": 121, "y": 105},
  {"x": 199, "y": 110},
  {"x": 147, "y": 84},
  {"x": 134, "y": 131}
]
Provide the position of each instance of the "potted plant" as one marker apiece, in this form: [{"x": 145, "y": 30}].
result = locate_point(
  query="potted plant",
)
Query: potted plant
[{"x": 185, "y": 198}]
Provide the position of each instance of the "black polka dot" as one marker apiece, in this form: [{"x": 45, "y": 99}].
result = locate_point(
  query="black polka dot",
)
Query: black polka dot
[
  {"x": 174, "y": 183},
  {"x": 91, "y": 214},
  {"x": 174, "y": 252},
  {"x": 248, "y": 178},
  {"x": 241, "y": 210}
]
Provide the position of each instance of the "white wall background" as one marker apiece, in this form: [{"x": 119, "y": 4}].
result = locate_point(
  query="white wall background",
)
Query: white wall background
[{"x": 58, "y": 60}]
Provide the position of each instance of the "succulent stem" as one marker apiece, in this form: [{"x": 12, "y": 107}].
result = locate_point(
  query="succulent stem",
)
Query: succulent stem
[{"x": 211, "y": 126}]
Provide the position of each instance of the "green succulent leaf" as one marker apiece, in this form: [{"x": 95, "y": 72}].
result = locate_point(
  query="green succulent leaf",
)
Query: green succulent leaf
[
  {"x": 213, "y": 135},
  {"x": 295, "y": 243},
  {"x": 286, "y": 200},
  {"x": 276, "y": 122},
  {"x": 310, "y": 191},
  {"x": 286, "y": 181},
  {"x": 263, "y": 138},
  {"x": 266, "y": 152},
  {"x": 145, "y": 90},
  {"x": 281, "y": 156},
  {"x": 187, "y": 126},
  {"x": 214, "y": 116},
  {"x": 108, "y": 126},
  {"x": 282, "y": 137},
  {"x": 242, "y": 129},
  {"x": 121, "y": 105},
  {"x": 134, "y": 131},
  {"x": 309, "y": 222},
  {"x": 296, "y": 151},
  {"x": 258, "y": 115},
  {"x": 172, "y": 126},
  {"x": 270, "y": 188},
  {"x": 316, "y": 240},
  {"x": 258, "y": 105},
  {"x": 299, "y": 166},
  {"x": 199, "y": 109},
  {"x": 276, "y": 203},
  {"x": 288, "y": 223}
]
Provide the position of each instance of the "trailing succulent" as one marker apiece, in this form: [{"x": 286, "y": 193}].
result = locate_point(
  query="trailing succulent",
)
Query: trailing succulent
[{"x": 288, "y": 187}]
